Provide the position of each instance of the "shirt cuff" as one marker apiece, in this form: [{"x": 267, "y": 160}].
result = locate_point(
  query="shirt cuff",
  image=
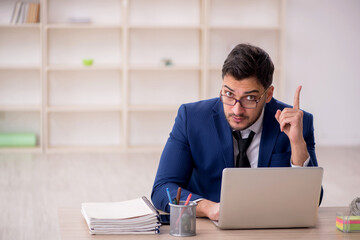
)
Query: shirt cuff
[
  {"x": 198, "y": 200},
  {"x": 306, "y": 163}
]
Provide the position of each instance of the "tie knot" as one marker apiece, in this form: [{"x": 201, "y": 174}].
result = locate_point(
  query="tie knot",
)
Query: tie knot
[{"x": 243, "y": 143}]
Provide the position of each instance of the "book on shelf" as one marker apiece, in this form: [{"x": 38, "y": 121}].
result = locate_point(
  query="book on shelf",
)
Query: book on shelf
[
  {"x": 137, "y": 216},
  {"x": 25, "y": 12},
  {"x": 19, "y": 139},
  {"x": 16, "y": 12}
]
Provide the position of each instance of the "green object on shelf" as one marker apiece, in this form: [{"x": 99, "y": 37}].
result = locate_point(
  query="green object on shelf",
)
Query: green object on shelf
[
  {"x": 88, "y": 62},
  {"x": 17, "y": 140}
]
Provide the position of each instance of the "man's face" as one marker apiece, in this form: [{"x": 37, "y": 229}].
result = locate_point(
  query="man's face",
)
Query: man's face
[{"x": 238, "y": 117}]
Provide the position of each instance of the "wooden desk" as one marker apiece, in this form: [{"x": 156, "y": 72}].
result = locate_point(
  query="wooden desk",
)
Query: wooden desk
[{"x": 73, "y": 226}]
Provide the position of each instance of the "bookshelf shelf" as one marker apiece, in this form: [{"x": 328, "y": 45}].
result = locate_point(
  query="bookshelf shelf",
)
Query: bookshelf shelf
[
  {"x": 21, "y": 150},
  {"x": 163, "y": 68},
  {"x": 219, "y": 68},
  {"x": 90, "y": 148},
  {"x": 20, "y": 26},
  {"x": 153, "y": 108},
  {"x": 19, "y": 68},
  {"x": 148, "y": 60},
  {"x": 95, "y": 109},
  {"x": 164, "y": 27},
  {"x": 19, "y": 108},
  {"x": 79, "y": 67},
  {"x": 246, "y": 28},
  {"x": 82, "y": 26},
  {"x": 145, "y": 149}
]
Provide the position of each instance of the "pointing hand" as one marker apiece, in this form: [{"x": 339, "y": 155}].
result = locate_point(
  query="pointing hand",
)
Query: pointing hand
[{"x": 291, "y": 120}]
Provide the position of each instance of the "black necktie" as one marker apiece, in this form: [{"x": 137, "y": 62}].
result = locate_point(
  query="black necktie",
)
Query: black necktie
[{"x": 243, "y": 144}]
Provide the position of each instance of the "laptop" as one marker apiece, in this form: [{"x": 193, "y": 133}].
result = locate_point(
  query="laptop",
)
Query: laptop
[{"x": 269, "y": 197}]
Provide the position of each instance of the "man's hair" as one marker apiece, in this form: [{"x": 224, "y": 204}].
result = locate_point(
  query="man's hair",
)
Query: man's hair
[{"x": 246, "y": 61}]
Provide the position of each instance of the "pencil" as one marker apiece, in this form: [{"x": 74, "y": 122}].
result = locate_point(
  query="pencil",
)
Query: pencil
[{"x": 178, "y": 195}]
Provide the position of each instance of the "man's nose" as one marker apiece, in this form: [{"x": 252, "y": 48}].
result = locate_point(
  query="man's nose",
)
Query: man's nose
[{"x": 238, "y": 109}]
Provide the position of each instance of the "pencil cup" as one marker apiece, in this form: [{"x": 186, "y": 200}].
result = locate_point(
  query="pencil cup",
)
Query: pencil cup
[{"x": 183, "y": 219}]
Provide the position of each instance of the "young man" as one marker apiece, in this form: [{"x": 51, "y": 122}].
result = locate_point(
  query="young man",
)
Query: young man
[{"x": 244, "y": 127}]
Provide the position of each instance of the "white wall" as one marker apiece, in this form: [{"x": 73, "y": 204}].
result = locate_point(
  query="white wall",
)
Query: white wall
[{"x": 322, "y": 53}]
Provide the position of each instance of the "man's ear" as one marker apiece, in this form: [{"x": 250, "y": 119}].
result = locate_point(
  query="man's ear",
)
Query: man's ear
[{"x": 269, "y": 94}]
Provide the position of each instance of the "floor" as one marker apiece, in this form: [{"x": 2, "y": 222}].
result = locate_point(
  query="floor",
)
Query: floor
[{"x": 34, "y": 186}]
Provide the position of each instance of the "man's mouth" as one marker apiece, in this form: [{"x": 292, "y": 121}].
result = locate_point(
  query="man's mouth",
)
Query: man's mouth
[{"x": 238, "y": 119}]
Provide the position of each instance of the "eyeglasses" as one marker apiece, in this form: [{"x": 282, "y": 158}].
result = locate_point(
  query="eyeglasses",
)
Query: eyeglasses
[{"x": 245, "y": 102}]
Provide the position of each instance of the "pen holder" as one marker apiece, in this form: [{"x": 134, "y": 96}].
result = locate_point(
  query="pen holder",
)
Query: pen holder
[{"x": 183, "y": 219}]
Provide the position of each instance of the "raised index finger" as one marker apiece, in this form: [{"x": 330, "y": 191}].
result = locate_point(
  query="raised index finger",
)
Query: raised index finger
[{"x": 297, "y": 98}]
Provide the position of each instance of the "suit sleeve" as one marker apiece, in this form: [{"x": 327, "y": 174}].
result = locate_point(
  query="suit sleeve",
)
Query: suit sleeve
[
  {"x": 310, "y": 143},
  {"x": 175, "y": 166},
  {"x": 310, "y": 140}
]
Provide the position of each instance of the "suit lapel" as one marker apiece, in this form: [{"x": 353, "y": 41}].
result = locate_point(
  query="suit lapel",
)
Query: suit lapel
[
  {"x": 224, "y": 134},
  {"x": 270, "y": 133}
]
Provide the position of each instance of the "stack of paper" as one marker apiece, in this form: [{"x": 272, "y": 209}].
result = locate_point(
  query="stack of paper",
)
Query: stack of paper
[{"x": 136, "y": 216}]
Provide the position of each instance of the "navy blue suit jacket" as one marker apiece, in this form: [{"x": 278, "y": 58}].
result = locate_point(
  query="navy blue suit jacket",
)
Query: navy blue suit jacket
[{"x": 200, "y": 146}]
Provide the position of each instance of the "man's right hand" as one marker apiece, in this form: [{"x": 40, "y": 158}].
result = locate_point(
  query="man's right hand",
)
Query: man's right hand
[{"x": 207, "y": 208}]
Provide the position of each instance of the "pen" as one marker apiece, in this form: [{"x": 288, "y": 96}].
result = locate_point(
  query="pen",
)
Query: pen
[
  {"x": 188, "y": 199},
  {"x": 178, "y": 195},
  {"x": 182, "y": 212},
  {"x": 168, "y": 193}
]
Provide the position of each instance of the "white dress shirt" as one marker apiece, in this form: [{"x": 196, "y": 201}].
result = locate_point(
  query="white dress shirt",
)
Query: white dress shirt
[{"x": 253, "y": 150}]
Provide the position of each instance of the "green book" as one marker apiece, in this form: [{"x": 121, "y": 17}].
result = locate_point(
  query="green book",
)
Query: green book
[{"x": 17, "y": 140}]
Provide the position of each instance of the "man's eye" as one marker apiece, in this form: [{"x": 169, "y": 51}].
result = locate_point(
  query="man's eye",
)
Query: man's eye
[
  {"x": 250, "y": 98},
  {"x": 229, "y": 94}
]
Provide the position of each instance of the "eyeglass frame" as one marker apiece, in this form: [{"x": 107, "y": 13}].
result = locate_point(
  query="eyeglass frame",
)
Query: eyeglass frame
[{"x": 239, "y": 101}]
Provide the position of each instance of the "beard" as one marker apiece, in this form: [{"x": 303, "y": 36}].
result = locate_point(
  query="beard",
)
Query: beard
[
  {"x": 245, "y": 120},
  {"x": 245, "y": 123}
]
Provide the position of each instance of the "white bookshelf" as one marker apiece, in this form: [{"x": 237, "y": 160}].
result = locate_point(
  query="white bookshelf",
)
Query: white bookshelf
[{"x": 128, "y": 99}]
